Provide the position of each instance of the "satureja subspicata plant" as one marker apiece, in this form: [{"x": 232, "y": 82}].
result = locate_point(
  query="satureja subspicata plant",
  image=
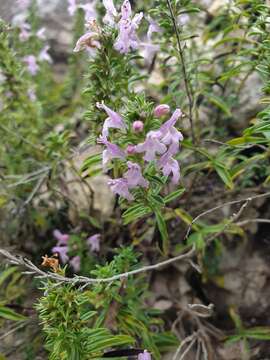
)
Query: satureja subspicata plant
[{"x": 139, "y": 148}]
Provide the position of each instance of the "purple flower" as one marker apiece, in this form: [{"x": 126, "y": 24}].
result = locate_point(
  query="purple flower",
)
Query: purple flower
[
  {"x": 75, "y": 262},
  {"x": 31, "y": 63},
  {"x": 111, "y": 12},
  {"x": 134, "y": 176},
  {"x": 153, "y": 28},
  {"x": 131, "y": 149},
  {"x": 151, "y": 146},
  {"x": 62, "y": 252},
  {"x": 72, "y": 7},
  {"x": 62, "y": 239},
  {"x": 114, "y": 120},
  {"x": 25, "y": 32},
  {"x": 120, "y": 187},
  {"x": 138, "y": 126},
  {"x": 41, "y": 33},
  {"x": 94, "y": 242},
  {"x": 89, "y": 10},
  {"x": 127, "y": 38},
  {"x": 88, "y": 41},
  {"x": 169, "y": 134},
  {"x": 126, "y": 10},
  {"x": 183, "y": 19},
  {"x": 111, "y": 152},
  {"x": 31, "y": 94},
  {"x": 169, "y": 165},
  {"x": 23, "y": 4},
  {"x": 144, "y": 356},
  {"x": 162, "y": 109},
  {"x": 44, "y": 55}
]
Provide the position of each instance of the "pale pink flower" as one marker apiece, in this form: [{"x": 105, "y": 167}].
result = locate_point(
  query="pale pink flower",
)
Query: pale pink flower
[
  {"x": 169, "y": 166},
  {"x": 88, "y": 41},
  {"x": 72, "y": 7},
  {"x": 183, "y": 19},
  {"x": 31, "y": 94},
  {"x": 127, "y": 38},
  {"x": 62, "y": 252},
  {"x": 41, "y": 33},
  {"x": 134, "y": 176},
  {"x": 31, "y": 63},
  {"x": 138, "y": 126},
  {"x": 25, "y": 31},
  {"x": 114, "y": 120},
  {"x": 112, "y": 151},
  {"x": 94, "y": 242},
  {"x": 75, "y": 262},
  {"x": 44, "y": 55},
  {"x": 120, "y": 187},
  {"x": 161, "y": 110},
  {"x": 131, "y": 149},
  {"x": 23, "y": 4},
  {"x": 89, "y": 10},
  {"x": 62, "y": 239},
  {"x": 153, "y": 28},
  {"x": 111, "y": 12},
  {"x": 144, "y": 356},
  {"x": 151, "y": 147}
]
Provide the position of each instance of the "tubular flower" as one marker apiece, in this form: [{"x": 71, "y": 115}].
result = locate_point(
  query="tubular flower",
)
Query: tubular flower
[
  {"x": 168, "y": 134},
  {"x": 134, "y": 176},
  {"x": 144, "y": 356},
  {"x": 151, "y": 146},
  {"x": 72, "y": 7},
  {"x": 111, "y": 12},
  {"x": 25, "y": 31},
  {"x": 127, "y": 38},
  {"x": 31, "y": 63},
  {"x": 44, "y": 55},
  {"x": 62, "y": 251},
  {"x": 88, "y": 41},
  {"x": 75, "y": 262},
  {"x": 169, "y": 166},
  {"x": 62, "y": 239},
  {"x": 114, "y": 120},
  {"x": 162, "y": 109},
  {"x": 111, "y": 152},
  {"x": 120, "y": 187},
  {"x": 94, "y": 242}
]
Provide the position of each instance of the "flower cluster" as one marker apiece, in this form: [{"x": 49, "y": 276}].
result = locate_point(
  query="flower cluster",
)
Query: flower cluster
[
  {"x": 159, "y": 147},
  {"x": 62, "y": 248},
  {"x": 127, "y": 26}
]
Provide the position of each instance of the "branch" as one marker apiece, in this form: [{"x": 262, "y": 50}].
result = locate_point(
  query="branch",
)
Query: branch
[
  {"x": 19, "y": 260},
  {"x": 251, "y": 198}
]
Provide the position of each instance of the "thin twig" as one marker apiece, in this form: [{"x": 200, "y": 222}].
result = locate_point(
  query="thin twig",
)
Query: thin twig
[
  {"x": 18, "y": 260},
  {"x": 183, "y": 343},
  {"x": 247, "y": 221},
  {"x": 183, "y": 66},
  {"x": 188, "y": 349},
  {"x": 206, "y": 212}
]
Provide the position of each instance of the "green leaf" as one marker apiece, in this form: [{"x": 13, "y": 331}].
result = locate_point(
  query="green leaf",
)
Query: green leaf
[
  {"x": 135, "y": 212},
  {"x": 164, "y": 245},
  {"x": 9, "y": 314},
  {"x": 224, "y": 174},
  {"x": 218, "y": 102},
  {"x": 174, "y": 195},
  {"x": 5, "y": 274},
  {"x": 88, "y": 315}
]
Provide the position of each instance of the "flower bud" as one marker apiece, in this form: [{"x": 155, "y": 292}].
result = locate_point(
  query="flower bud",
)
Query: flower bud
[
  {"x": 161, "y": 110},
  {"x": 130, "y": 149},
  {"x": 138, "y": 126}
]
